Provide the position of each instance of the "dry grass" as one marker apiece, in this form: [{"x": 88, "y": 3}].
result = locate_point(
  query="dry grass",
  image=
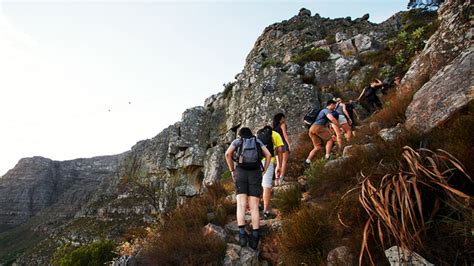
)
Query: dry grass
[
  {"x": 305, "y": 237},
  {"x": 395, "y": 106},
  {"x": 179, "y": 240},
  {"x": 299, "y": 154},
  {"x": 402, "y": 205},
  {"x": 289, "y": 199}
]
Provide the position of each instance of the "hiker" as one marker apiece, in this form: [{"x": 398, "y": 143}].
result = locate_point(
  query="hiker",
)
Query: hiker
[
  {"x": 279, "y": 125},
  {"x": 320, "y": 134},
  {"x": 370, "y": 95},
  {"x": 350, "y": 107},
  {"x": 274, "y": 143},
  {"x": 344, "y": 122},
  {"x": 247, "y": 172}
]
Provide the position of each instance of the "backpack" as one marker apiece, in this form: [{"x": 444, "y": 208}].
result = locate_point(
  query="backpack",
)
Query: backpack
[
  {"x": 265, "y": 136},
  {"x": 248, "y": 154},
  {"x": 311, "y": 116},
  {"x": 350, "y": 110}
]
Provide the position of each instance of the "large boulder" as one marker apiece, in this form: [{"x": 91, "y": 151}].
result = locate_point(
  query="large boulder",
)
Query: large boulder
[
  {"x": 451, "y": 38},
  {"x": 439, "y": 99},
  {"x": 399, "y": 257},
  {"x": 341, "y": 256}
]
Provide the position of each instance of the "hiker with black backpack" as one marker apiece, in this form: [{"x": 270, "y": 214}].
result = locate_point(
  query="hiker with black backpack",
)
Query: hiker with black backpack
[
  {"x": 370, "y": 95},
  {"x": 319, "y": 132},
  {"x": 247, "y": 152},
  {"x": 274, "y": 143}
]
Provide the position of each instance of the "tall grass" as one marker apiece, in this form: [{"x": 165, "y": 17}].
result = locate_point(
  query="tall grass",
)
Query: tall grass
[{"x": 402, "y": 206}]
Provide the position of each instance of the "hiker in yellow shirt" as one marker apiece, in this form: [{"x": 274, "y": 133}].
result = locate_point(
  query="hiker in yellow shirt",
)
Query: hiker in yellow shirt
[{"x": 274, "y": 144}]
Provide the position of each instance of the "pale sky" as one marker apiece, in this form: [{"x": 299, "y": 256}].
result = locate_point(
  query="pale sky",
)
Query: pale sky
[{"x": 92, "y": 78}]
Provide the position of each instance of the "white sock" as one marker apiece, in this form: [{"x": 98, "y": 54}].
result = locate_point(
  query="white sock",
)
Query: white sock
[{"x": 308, "y": 161}]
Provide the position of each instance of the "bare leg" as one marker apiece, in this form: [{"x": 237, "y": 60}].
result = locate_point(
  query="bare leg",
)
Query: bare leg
[
  {"x": 338, "y": 132},
  {"x": 348, "y": 132},
  {"x": 316, "y": 145},
  {"x": 329, "y": 147},
  {"x": 267, "y": 193},
  {"x": 254, "y": 213},
  {"x": 241, "y": 208},
  {"x": 284, "y": 163}
]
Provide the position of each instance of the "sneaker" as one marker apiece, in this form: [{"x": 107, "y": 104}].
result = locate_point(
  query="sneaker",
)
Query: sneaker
[
  {"x": 268, "y": 215},
  {"x": 306, "y": 165},
  {"x": 253, "y": 242},
  {"x": 243, "y": 239}
]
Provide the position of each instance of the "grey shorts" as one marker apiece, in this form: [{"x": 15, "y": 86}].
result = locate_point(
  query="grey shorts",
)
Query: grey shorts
[
  {"x": 248, "y": 182},
  {"x": 267, "y": 179},
  {"x": 342, "y": 120}
]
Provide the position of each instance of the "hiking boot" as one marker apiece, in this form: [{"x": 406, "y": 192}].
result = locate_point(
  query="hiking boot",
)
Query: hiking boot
[
  {"x": 243, "y": 240},
  {"x": 268, "y": 215},
  {"x": 253, "y": 242}
]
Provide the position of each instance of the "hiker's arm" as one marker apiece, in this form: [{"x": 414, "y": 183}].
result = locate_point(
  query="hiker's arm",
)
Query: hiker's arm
[
  {"x": 379, "y": 82},
  {"x": 268, "y": 158},
  {"x": 333, "y": 119},
  {"x": 285, "y": 134},
  {"x": 228, "y": 159},
  {"x": 360, "y": 96},
  {"x": 347, "y": 114}
]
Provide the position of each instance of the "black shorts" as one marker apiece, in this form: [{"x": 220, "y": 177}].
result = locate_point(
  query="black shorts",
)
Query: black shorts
[{"x": 248, "y": 182}]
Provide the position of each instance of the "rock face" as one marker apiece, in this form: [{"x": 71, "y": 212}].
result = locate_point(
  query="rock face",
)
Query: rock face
[
  {"x": 38, "y": 183},
  {"x": 451, "y": 89},
  {"x": 451, "y": 38},
  {"x": 188, "y": 155}
]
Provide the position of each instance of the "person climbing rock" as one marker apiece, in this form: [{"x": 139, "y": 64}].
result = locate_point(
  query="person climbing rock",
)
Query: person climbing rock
[
  {"x": 320, "y": 134},
  {"x": 370, "y": 95},
  {"x": 247, "y": 172},
  {"x": 274, "y": 143},
  {"x": 344, "y": 123},
  {"x": 279, "y": 125}
]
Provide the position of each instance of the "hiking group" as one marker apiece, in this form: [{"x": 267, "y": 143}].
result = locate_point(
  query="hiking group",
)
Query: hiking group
[{"x": 258, "y": 162}]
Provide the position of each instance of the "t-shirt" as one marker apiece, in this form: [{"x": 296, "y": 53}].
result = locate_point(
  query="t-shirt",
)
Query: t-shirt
[
  {"x": 277, "y": 142},
  {"x": 322, "y": 119}
]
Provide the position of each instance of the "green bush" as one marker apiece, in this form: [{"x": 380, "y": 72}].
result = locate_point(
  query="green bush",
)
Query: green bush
[
  {"x": 305, "y": 237},
  {"x": 96, "y": 253},
  {"x": 289, "y": 199},
  {"x": 313, "y": 54},
  {"x": 271, "y": 62}
]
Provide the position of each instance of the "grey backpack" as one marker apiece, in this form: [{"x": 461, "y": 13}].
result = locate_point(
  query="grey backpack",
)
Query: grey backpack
[{"x": 248, "y": 154}]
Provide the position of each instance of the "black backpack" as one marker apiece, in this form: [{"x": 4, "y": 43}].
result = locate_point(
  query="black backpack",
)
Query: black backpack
[
  {"x": 350, "y": 110},
  {"x": 265, "y": 136},
  {"x": 248, "y": 154},
  {"x": 311, "y": 116}
]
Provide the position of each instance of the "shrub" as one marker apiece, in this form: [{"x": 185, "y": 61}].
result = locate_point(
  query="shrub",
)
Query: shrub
[
  {"x": 377, "y": 58},
  {"x": 271, "y": 62},
  {"x": 305, "y": 237},
  {"x": 402, "y": 206},
  {"x": 394, "y": 108},
  {"x": 299, "y": 154},
  {"x": 289, "y": 199},
  {"x": 179, "y": 240},
  {"x": 312, "y": 54},
  {"x": 96, "y": 253}
]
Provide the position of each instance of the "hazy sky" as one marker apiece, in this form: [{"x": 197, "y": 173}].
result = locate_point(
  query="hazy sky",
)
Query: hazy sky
[{"x": 88, "y": 78}]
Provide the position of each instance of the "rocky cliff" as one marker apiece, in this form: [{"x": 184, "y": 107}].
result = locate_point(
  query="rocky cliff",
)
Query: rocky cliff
[
  {"x": 37, "y": 183},
  {"x": 294, "y": 64}
]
